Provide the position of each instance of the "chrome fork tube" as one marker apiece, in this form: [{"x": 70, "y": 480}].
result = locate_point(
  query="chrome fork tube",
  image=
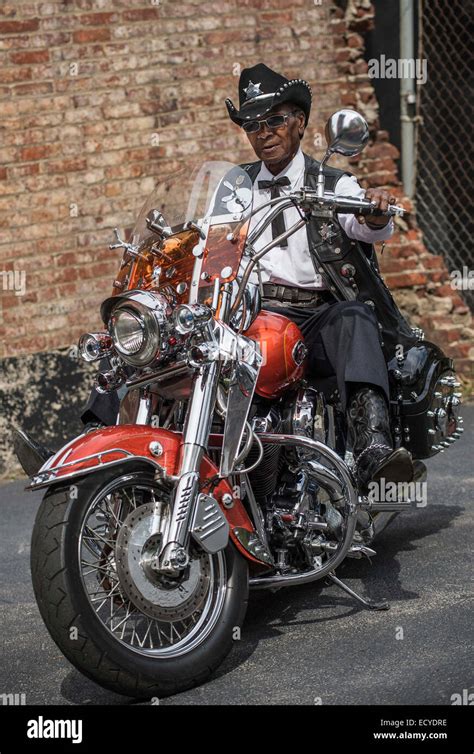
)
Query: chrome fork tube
[
  {"x": 145, "y": 408},
  {"x": 196, "y": 436}
]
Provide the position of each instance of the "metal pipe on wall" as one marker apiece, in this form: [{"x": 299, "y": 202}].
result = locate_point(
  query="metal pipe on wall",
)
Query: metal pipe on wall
[{"x": 407, "y": 96}]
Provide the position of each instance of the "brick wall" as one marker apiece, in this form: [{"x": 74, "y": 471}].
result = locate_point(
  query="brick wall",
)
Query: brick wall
[{"x": 98, "y": 97}]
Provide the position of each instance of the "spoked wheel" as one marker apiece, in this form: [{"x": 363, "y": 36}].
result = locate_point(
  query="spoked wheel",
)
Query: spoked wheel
[{"x": 119, "y": 621}]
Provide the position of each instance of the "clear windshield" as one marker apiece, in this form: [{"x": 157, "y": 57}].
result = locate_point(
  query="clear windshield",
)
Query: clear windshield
[
  {"x": 187, "y": 195},
  {"x": 206, "y": 213}
]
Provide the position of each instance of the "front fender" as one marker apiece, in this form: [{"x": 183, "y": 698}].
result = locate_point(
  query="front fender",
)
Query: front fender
[
  {"x": 110, "y": 446},
  {"x": 128, "y": 443}
]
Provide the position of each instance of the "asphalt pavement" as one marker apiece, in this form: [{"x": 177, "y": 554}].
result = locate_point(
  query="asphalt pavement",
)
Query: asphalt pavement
[{"x": 307, "y": 645}]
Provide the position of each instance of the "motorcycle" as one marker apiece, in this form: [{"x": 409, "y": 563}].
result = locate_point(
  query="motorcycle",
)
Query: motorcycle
[{"x": 228, "y": 468}]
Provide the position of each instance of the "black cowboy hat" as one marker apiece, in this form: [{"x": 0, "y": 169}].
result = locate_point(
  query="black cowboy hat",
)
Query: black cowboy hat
[{"x": 260, "y": 89}]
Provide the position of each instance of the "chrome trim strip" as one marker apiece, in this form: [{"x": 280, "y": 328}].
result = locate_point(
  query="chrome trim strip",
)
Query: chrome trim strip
[
  {"x": 98, "y": 455},
  {"x": 67, "y": 447},
  {"x": 108, "y": 464}
]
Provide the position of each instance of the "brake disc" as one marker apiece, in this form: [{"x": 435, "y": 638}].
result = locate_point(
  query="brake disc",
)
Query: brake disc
[{"x": 160, "y": 597}]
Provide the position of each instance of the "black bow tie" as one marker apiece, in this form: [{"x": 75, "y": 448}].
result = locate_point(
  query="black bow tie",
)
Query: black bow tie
[
  {"x": 283, "y": 181},
  {"x": 278, "y": 225}
]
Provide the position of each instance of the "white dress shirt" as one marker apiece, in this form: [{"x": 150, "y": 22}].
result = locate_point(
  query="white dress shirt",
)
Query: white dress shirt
[{"x": 292, "y": 265}]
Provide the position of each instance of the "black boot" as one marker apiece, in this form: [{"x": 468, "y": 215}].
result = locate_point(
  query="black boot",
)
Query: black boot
[{"x": 372, "y": 444}]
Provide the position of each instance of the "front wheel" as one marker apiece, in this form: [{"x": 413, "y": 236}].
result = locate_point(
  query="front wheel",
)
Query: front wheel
[{"x": 126, "y": 627}]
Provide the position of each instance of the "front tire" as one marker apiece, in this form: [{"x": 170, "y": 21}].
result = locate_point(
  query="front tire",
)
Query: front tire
[{"x": 145, "y": 659}]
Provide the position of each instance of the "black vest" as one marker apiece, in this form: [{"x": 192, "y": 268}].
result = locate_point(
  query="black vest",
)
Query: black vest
[{"x": 348, "y": 267}]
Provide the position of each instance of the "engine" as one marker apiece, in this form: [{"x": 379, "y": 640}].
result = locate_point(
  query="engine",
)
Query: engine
[
  {"x": 302, "y": 413},
  {"x": 301, "y": 522}
]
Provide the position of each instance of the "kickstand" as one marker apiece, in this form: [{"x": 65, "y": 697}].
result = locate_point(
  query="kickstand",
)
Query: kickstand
[{"x": 369, "y": 604}]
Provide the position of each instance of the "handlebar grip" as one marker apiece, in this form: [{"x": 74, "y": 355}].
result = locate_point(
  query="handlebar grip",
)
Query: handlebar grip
[{"x": 392, "y": 211}]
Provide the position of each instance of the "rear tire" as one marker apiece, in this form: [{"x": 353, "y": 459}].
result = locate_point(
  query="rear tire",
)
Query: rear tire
[{"x": 70, "y": 618}]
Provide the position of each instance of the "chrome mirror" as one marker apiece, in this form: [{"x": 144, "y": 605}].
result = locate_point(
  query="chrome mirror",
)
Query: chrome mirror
[{"x": 346, "y": 133}]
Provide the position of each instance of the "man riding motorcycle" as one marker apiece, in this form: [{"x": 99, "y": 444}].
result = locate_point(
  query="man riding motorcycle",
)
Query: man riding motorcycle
[
  {"x": 343, "y": 337},
  {"x": 227, "y": 467}
]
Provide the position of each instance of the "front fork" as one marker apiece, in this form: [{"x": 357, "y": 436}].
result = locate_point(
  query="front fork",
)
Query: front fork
[{"x": 174, "y": 556}]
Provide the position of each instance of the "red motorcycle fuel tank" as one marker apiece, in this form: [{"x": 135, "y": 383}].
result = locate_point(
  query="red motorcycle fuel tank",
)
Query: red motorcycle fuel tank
[{"x": 283, "y": 350}]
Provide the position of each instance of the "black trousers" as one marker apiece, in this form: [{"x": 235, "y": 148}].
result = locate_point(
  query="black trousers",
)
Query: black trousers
[{"x": 343, "y": 343}]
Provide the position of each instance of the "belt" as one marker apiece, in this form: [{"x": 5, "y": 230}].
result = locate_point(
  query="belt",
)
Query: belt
[{"x": 293, "y": 295}]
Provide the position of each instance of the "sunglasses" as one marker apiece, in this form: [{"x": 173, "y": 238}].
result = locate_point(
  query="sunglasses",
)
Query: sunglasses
[{"x": 273, "y": 122}]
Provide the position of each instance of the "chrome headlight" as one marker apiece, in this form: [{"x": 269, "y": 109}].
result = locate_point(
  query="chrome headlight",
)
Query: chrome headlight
[
  {"x": 136, "y": 325},
  {"x": 128, "y": 331}
]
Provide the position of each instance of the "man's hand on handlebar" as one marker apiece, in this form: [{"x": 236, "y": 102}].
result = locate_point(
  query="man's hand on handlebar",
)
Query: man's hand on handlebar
[{"x": 381, "y": 200}]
